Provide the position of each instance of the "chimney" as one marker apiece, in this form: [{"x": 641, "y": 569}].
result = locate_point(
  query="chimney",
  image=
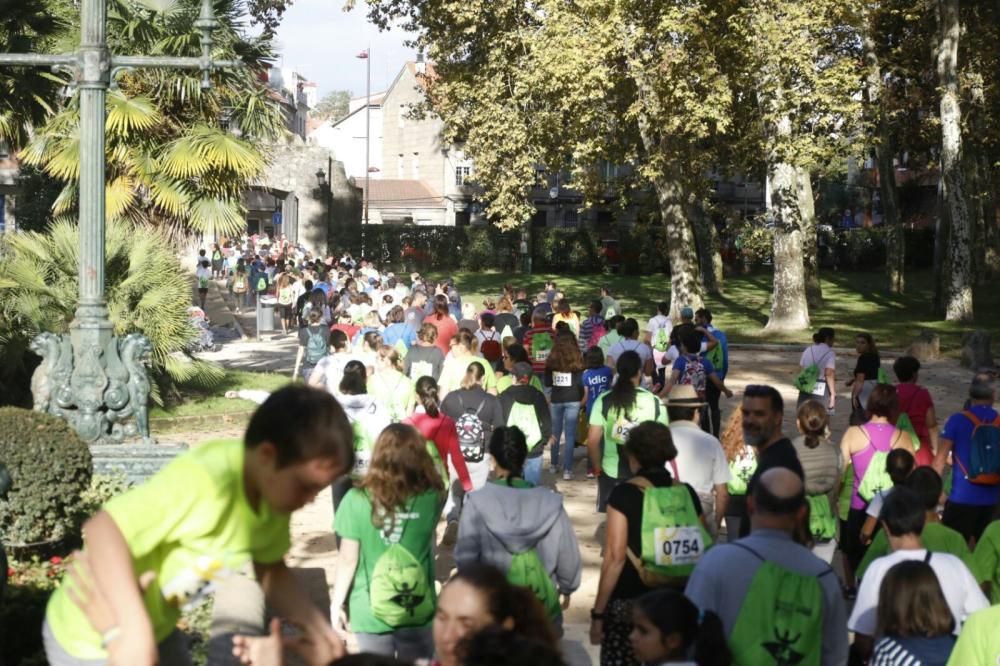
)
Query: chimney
[{"x": 421, "y": 66}]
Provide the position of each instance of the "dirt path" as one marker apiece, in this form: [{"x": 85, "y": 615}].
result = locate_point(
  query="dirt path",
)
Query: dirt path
[{"x": 314, "y": 550}]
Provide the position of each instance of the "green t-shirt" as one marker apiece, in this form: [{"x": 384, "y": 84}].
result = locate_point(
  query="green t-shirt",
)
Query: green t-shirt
[
  {"x": 987, "y": 559},
  {"x": 617, "y": 424},
  {"x": 454, "y": 369},
  {"x": 507, "y": 381},
  {"x": 979, "y": 642},
  {"x": 609, "y": 339},
  {"x": 189, "y": 524},
  {"x": 414, "y": 529},
  {"x": 394, "y": 390},
  {"x": 936, "y": 538}
]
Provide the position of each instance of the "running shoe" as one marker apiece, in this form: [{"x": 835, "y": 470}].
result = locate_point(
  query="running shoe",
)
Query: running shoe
[{"x": 567, "y": 476}]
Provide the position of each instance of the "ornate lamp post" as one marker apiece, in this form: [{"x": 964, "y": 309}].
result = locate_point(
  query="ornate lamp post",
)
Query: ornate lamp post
[{"x": 95, "y": 380}]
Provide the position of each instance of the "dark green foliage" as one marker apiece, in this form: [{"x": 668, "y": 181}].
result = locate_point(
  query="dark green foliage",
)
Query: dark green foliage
[{"x": 50, "y": 467}]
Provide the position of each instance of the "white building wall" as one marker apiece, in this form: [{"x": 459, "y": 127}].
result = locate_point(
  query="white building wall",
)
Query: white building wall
[{"x": 346, "y": 140}]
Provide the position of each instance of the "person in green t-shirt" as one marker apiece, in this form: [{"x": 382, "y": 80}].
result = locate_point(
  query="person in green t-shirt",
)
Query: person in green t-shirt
[
  {"x": 987, "y": 561},
  {"x": 979, "y": 642},
  {"x": 937, "y": 538},
  {"x": 614, "y": 414},
  {"x": 463, "y": 352},
  {"x": 210, "y": 513},
  {"x": 386, "y": 526}
]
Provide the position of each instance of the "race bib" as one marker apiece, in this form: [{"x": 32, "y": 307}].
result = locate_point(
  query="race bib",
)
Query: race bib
[
  {"x": 420, "y": 369},
  {"x": 362, "y": 460},
  {"x": 542, "y": 354},
  {"x": 677, "y": 545},
  {"x": 562, "y": 379},
  {"x": 819, "y": 389},
  {"x": 621, "y": 429},
  {"x": 193, "y": 585}
]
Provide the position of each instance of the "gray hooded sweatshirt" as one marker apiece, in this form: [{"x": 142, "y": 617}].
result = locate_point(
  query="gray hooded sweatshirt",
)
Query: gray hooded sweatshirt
[{"x": 499, "y": 521}]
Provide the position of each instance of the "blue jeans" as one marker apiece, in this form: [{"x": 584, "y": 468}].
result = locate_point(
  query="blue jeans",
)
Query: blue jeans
[
  {"x": 564, "y": 417},
  {"x": 533, "y": 470}
]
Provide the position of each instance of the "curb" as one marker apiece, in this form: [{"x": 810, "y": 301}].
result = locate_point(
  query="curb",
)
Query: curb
[{"x": 174, "y": 422}]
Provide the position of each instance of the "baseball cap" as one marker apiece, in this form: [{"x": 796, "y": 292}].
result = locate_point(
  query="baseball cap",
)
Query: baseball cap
[{"x": 687, "y": 313}]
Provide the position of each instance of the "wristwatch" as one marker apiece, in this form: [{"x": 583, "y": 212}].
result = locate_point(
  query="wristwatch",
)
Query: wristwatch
[{"x": 595, "y": 615}]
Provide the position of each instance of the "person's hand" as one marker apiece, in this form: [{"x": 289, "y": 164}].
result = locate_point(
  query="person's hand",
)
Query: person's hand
[
  {"x": 849, "y": 382},
  {"x": 340, "y": 624},
  {"x": 320, "y": 645},
  {"x": 596, "y": 632},
  {"x": 729, "y": 393},
  {"x": 260, "y": 650},
  {"x": 565, "y": 601},
  {"x": 133, "y": 648}
]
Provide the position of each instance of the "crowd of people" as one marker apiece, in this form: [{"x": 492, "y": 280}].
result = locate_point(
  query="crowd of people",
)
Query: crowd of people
[{"x": 423, "y": 410}]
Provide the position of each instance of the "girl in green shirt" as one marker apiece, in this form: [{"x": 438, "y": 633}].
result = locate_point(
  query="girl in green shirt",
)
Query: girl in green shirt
[
  {"x": 390, "y": 386},
  {"x": 386, "y": 562}
]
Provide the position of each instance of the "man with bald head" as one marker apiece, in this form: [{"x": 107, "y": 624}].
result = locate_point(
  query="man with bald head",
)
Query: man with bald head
[{"x": 791, "y": 602}]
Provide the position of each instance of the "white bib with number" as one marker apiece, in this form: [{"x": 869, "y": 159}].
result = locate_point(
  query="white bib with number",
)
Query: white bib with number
[
  {"x": 678, "y": 545},
  {"x": 562, "y": 379},
  {"x": 820, "y": 388},
  {"x": 420, "y": 369},
  {"x": 621, "y": 429}
]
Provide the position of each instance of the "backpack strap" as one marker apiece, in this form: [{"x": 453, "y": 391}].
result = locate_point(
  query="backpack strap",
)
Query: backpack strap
[
  {"x": 927, "y": 557},
  {"x": 976, "y": 422},
  {"x": 641, "y": 482},
  {"x": 740, "y": 544},
  {"x": 673, "y": 468}
]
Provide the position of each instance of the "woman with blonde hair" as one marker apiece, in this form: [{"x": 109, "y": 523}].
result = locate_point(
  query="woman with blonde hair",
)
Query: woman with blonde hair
[
  {"x": 463, "y": 351},
  {"x": 424, "y": 359},
  {"x": 386, "y": 527},
  {"x": 390, "y": 386},
  {"x": 823, "y": 467}
]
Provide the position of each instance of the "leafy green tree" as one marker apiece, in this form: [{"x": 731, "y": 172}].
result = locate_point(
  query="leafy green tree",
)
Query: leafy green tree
[
  {"x": 148, "y": 292},
  {"x": 334, "y": 105},
  {"x": 173, "y": 159}
]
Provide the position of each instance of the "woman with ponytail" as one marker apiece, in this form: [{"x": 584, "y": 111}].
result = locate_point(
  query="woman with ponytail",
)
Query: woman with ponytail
[
  {"x": 390, "y": 386},
  {"x": 823, "y": 466},
  {"x": 463, "y": 352},
  {"x": 669, "y": 629},
  {"x": 521, "y": 529},
  {"x": 439, "y": 429},
  {"x": 476, "y": 414}
]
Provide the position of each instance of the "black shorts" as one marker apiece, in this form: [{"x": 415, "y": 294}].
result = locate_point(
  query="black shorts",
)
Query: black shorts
[
  {"x": 605, "y": 484},
  {"x": 968, "y": 519},
  {"x": 850, "y": 537}
]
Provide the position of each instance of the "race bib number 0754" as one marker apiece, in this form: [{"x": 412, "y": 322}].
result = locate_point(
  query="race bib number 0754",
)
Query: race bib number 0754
[{"x": 678, "y": 545}]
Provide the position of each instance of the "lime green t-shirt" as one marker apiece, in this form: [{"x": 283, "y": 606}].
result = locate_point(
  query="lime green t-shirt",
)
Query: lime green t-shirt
[
  {"x": 936, "y": 538},
  {"x": 454, "y": 369},
  {"x": 618, "y": 423},
  {"x": 414, "y": 529},
  {"x": 607, "y": 340},
  {"x": 190, "y": 524},
  {"x": 979, "y": 642},
  {"x": 987, "y": 559},
  {"x": 394, "y": 390},
  {"x": 507, "y": 381}
]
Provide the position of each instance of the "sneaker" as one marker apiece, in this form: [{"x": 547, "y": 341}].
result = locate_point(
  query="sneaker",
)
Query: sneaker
[
  {"x": 590, "y": 474},
  {"x": 553, "y": 470},
  {"x": 567, "y": 475}
]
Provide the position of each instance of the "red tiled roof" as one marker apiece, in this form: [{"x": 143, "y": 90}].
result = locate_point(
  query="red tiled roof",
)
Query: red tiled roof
[{"x": 390, "y": 193}]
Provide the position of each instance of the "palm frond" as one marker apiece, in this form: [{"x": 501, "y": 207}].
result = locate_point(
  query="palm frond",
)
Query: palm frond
[
  {"x": 128, "y": 115},
  {"x": 119, "y": 195},
  {"x": 216, "y": 216}
]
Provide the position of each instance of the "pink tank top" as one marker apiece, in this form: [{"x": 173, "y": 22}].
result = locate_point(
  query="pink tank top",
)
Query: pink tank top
[{"x": 879, "y": 439}]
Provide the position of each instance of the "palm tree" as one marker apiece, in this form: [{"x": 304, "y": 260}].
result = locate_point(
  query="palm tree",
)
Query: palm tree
[
  {"x": 173, "y": 158},
  {"x": 148, "y": 292},
  {"x": 28, "y": 94}
]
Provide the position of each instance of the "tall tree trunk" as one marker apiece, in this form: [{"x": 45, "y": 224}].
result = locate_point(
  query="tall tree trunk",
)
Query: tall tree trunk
[
  {"x": 789, "y": 307},
  {"x": 682, "y": 252},
  {"x": 707, "y": 241},
  {"x": 957, "y": 287},
  {"x": 895, "y": 257},
  {"x": 942, "y": 234},
  {"x": 810, "y": 251},
  {"x": 977, "y": 178}
]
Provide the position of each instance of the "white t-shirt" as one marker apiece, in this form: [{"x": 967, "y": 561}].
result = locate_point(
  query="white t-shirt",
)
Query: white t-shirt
[
  {"x": 644, "y": 351},
  {"x": 821, "y": 355},
  {"x": 700, "y": 461},
  {"x": 332, "y": 367},
  {"x": 875, "y": 506},
  {"x": 958, "y": 584},
  {"x": 656, "y": 323}
]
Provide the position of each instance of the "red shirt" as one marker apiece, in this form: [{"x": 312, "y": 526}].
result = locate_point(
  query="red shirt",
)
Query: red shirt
[
  {"x": 915, "y": 401},
  {"x": 441, "y": 431},
  {"x": 350, "y": 330},
  {"x": 446, "y": 328},
  {"x": 537, "y": 364}
]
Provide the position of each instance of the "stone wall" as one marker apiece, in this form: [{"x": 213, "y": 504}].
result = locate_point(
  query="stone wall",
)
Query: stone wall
[{"x": 310, "y": 216}]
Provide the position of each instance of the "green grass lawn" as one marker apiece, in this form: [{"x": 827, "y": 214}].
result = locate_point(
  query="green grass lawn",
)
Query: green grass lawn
[
  {"x": 854, "y": 301},
  {"x": 199, "y": 401}
]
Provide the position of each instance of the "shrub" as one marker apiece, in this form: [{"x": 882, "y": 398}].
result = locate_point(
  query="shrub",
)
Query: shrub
[
  {"x": 50, "y": 468},
  {"x": 23, "y": 609}
]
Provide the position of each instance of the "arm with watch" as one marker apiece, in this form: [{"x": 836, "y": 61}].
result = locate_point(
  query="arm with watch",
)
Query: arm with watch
[{"x": 615, "y": 547}]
